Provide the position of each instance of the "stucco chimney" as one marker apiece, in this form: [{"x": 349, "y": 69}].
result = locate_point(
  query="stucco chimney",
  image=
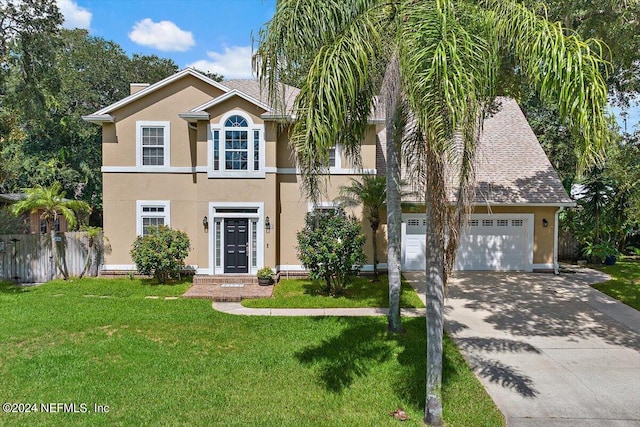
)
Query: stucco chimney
[{"x": 137, "y": 87}]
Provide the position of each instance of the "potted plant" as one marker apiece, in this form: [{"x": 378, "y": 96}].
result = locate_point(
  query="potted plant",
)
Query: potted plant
[
  {"x": 603, "y": 252},
  {"x": 265, "y": 276}
]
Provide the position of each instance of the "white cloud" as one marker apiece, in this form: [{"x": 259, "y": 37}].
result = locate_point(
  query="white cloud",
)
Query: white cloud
[
  {"x": 164, "y": 35},
  {"x": 74, "y": 15},
  {"x": 233, "y": 63}
]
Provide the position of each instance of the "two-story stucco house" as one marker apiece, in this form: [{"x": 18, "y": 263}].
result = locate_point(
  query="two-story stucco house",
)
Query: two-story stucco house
[{"x": 213, "y": 159}]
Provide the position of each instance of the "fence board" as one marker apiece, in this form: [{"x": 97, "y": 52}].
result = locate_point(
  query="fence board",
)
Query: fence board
[{"x": 27, "y": 258}]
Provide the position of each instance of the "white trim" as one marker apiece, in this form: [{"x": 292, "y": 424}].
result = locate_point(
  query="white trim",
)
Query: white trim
[
  {"x": 290, "y": 267},
  {"x": 228, "y": 95},
  {"x": 369, "y": 267},
  {"x": 99, "y": 118},
  {"x": 337, "y": 159},
  {"x": 556, "y": 264},
  {"x": 205, "y": 169},
  {"x": 259, "y": 237},
  {"x": 296, "y": 171},
  {"x": 548, "y": 266},
  {"x": 193, "y": 117},
  {"x": 329, "y": 204},
  {"x": 294, "y": 267},
  {"x": 251, "y": 128},
  {"x": 161, "y": 84},
  {"x": 166, "y": 204},
  {"x": 524, "y": 204},
  {"x": 153, "y": 169},
  {"x": 118, "y": 267},
  {"x": 166, "y": 147},
  {"x": 132, "y": 267}
]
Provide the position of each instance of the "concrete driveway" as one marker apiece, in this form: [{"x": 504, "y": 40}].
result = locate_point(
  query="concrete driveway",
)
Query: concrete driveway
[{"x": 550, "y": 350}]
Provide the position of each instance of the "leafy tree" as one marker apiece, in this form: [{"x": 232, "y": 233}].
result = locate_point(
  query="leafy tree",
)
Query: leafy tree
[
  {"x": 437, "y": 65},
  {"x": 161, "y": 252},
  {"x": 330, "y": 247},
  {"x": 28, "y": 42},
  {"x": 57, "y": 145},
  {"x": 52, "y": 204}
]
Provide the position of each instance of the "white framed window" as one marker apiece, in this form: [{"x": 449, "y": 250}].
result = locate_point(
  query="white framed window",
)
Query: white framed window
[
  {"x": 236, "y": 147},
  {"x": 152, "y": 144},
  {"x": 151, "y": 213},
  {"x": 335, "y": 159}
]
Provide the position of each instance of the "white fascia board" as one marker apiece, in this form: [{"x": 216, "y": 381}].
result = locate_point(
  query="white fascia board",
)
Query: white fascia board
[
  {"x": 193, "y": 117},
  {"x": 161, "y": 84},
  {"x": 99, "y": 118},
  {"x": 228, "y": 95}
]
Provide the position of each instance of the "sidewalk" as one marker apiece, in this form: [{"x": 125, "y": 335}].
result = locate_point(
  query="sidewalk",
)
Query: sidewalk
[{"x": 237, "y": 309}]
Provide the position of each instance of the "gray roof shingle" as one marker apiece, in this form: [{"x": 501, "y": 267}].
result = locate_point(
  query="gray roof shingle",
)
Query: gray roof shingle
[{"x": 511, "y": 166}]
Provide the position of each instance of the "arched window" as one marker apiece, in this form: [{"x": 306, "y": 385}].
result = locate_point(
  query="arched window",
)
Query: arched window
[
  {"x": 237, "y": 147},
  {"x": 236, "y": 144}
]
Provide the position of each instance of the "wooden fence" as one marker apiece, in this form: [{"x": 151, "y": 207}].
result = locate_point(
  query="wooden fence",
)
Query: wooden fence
[
  {"x": 568, "y": 246},
  {"x": 27, "y": 258}
]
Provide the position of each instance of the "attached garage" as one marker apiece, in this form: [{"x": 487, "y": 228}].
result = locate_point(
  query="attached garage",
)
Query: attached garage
[{"x": 489, "y": 242}]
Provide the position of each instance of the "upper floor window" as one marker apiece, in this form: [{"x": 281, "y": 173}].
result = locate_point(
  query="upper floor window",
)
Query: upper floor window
[
  {"x": 237, "y": 148},
  {"x": 152, "y": 140}
]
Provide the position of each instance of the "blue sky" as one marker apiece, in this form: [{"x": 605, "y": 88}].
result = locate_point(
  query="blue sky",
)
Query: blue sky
[{"x": 212, "y": 35}]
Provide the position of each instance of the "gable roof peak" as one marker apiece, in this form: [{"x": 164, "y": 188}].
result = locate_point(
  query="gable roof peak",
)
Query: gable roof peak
[{"x": 162, "y": 83}]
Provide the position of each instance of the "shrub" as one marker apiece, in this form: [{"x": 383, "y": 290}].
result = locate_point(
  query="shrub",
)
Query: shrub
[
  {"x": 330, "y": 246},
  {"x": 161, "y": 252}
]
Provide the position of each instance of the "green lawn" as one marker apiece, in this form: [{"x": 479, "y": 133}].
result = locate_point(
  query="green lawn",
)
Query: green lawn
[
  {"x": 178, "y": 362},
  {"x": 304, "y": 293},
  {"x": 625, "y": 283}
]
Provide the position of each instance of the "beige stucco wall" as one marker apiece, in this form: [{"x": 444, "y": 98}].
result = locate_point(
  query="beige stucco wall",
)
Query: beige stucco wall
[
  {"x": 190, "y": 194},
  {"x": 119, "y": 139}
]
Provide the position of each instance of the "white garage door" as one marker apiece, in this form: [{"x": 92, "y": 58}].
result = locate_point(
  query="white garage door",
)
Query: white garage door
[
  {"x": 498, "y": 242},
  {"x": 495, "y": 243},
  {"x": 413, "y": 255}
]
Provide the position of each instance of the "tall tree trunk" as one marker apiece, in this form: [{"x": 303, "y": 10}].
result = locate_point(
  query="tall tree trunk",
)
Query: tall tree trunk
[
  {"x": 393, "y": 114},
  {"x": 435, "y": 299},
  {"x": 394, "y": 230}
]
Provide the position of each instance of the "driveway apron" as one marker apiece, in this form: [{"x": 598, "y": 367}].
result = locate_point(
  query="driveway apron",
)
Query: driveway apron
[{"x": 550, "y": 350}]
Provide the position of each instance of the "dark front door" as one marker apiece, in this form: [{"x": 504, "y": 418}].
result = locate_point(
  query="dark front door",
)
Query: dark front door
[{"x": 236, "y": 236}]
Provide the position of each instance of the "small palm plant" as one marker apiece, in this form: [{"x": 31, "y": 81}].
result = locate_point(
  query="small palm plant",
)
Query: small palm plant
[
  {"x": 52, "y": 203},
  {"x": 371, "y": 193}
]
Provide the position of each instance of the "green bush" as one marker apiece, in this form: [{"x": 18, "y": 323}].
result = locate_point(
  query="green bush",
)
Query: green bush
[
  {"x": 330, "y": 246},
  {"x": 161, "y": 252}
]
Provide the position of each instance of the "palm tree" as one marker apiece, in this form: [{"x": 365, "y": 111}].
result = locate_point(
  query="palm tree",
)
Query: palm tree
[
  {"x": 441, "y": 62},
  {"x": 371, "y": 193},
  {"x": 51, "y": 202}
]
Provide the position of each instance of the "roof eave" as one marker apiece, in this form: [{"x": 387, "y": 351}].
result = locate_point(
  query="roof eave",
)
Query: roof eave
[
  {"x": 99, "y": 118},
  {"x": 193, "y": 117}
]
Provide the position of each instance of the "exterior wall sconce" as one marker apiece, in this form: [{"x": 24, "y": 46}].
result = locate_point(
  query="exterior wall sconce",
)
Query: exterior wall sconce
[
  {"x": 545, "y": 223},
  {"x": 267, "y": 224},
  {"x": 205, "y": 223}
]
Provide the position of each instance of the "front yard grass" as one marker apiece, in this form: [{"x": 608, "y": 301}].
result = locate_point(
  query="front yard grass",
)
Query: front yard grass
[
  {"x": 171, "y": 361},
  {"x": 304, "y": 293},
  {"x": 625, "y": 283}
]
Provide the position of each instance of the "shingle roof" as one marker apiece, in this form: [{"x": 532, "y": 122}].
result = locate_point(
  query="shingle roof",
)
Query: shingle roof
[
  {"x": 511, "y": 165},
  {"x": 253, "y": 89}
]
